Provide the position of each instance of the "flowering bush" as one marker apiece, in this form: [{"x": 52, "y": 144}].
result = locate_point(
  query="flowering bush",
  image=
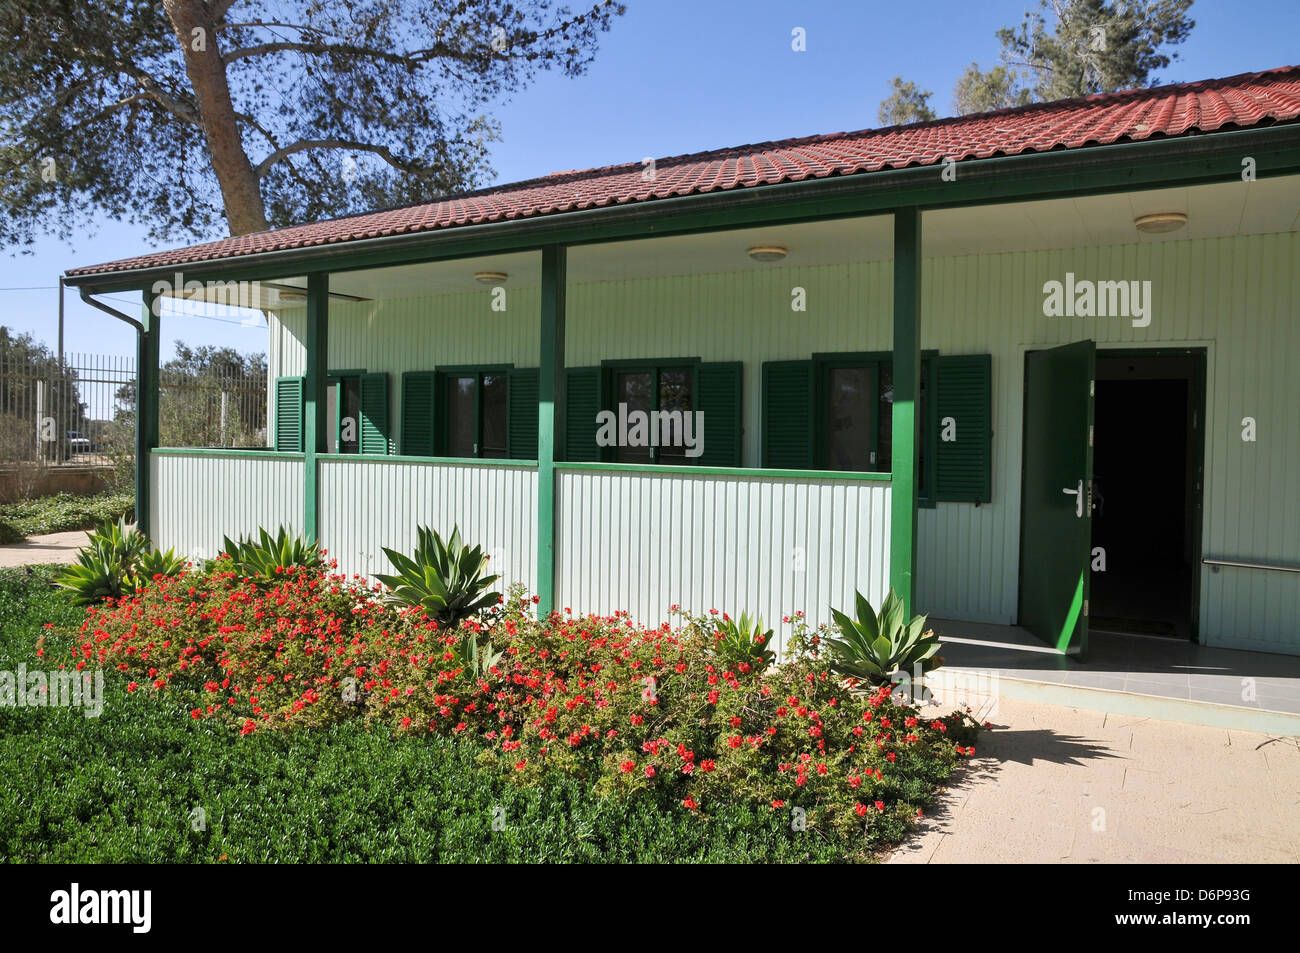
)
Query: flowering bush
[{"x": 634, "y": 712}]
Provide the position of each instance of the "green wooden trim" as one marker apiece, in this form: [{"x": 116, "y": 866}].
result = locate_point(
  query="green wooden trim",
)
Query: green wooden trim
[
  {"x": 345, "y": 372},
  {"x": 907, "y": 373},
  {"x": 747, "y": 472},
  {"x": 315, "y": 400},
  {"x": 853, "y": 357},
  {"x": 1150, "y": 164},
  {"x": 407, "y": 458},
  {"x": 464, "y": 370},
  {"x": 226, "y": 453},
  {"x": 147, "y": 398},
  {"x": 550, "y": 416},
  {"x": 649, "y": 363}
]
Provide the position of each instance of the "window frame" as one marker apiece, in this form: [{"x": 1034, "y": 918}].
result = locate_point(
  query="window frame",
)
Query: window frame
[
  {"x": 824, "y": 363},
  {"x": 337, "y": 378},
  {"x": 443, "y": 405},
  {"x": 653, "y": 366}
]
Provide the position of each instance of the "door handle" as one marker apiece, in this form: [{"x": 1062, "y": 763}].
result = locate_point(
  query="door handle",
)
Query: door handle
[{"x": 1078, "y": 498}]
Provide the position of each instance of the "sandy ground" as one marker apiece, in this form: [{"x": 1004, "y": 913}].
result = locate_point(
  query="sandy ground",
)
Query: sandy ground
[
  {"x": 1063, "y": 785},
  {"x": 54, "y": 548}
]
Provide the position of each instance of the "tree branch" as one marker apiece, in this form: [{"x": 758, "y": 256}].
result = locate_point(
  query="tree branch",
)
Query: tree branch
[
  {"x": 415, "y": 57},
  {"x": 302, "y": 145}
]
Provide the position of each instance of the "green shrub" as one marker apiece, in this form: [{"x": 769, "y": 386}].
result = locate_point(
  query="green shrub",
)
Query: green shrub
[
  {"x": 266, "y": 558},
  {"x": 65, "y": 512},
  {"x": 446, "y": 580},
  {"x": 638, "y": 715},
  {"x": 9, "y": 534},
  {"x": 875, "y": 646}
]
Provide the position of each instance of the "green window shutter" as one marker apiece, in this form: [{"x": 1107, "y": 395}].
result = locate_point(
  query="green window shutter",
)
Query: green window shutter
[
  {"x": 963, "y": 411},
  {"x": 788, "y": 415},
  {"x": 523, "y": 414},
  {"x": 417, "y": 413},
  {"x": 375, "y": 431},
  {"x": 288, "y": 414},
  {"x": 583, "y": 401},
  {"x": 718, "y": 398}
]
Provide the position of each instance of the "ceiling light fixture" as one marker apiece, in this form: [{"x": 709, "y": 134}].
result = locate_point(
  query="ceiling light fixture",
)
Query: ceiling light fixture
[
  {"x": 490, "y": 277},
  {"x": 767, "y": 253},
  {"x": 1159, "y": 222}
]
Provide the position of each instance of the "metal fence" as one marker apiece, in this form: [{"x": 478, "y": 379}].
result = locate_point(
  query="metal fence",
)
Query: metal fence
[{"x": 81, "y": 411}]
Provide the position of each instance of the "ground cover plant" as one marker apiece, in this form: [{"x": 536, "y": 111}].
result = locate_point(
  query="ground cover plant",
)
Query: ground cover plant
[
  {"x": 665, "y": 725},
  {"x": 61, "y": 513}
]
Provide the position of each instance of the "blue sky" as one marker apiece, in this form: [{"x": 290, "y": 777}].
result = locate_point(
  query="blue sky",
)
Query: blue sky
[{"x": 677, "y": 76}]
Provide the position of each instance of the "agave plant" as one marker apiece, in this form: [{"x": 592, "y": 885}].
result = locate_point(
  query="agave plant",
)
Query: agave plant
[
  {"x": 115, "y": 560},
  {"x": 157, "y": 563},
  {"x": 264, "y": 557},
  {"x": 447, "y": 580},
  {"x": 875, "y": 645},
  {"x": 744, "y": 640}
]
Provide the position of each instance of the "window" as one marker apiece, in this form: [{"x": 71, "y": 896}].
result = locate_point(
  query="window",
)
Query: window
[
  {"x": 678, "y": 387},
  {"x": 835, "y": 412},
  {"x": 356, "y": 413},
  {"x": 649, "y": 389},
  {"x": 475, "y": 412},
  {"x": 485, "y": 412}
]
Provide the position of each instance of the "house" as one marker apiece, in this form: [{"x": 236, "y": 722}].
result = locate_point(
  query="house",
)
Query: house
[{"x": 1034, "y": 366}]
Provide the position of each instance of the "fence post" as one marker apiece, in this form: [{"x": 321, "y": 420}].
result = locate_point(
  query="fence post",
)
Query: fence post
[{"x": 146, "y": 405}]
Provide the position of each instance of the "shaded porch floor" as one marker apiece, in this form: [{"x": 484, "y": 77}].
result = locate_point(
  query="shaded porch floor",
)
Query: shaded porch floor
[{"x": 1196, "y": 675}]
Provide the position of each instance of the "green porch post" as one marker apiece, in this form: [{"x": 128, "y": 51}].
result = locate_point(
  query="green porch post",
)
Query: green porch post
[
  {"x": 146, "y": 404},
  {"x": 550, "y": 417},
  {"x": 314, "y": 398},
  {"x": 907, "y": 376}
]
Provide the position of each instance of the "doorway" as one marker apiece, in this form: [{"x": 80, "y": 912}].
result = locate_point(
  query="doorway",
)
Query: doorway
[{"x": 1147, "y": 477}]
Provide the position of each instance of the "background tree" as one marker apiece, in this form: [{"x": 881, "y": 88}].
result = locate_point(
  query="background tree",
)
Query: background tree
[
  {"x": 1070, "y": 48},
  {"x": 197, "y": 117},
  {"x": 906, "y": 103},
  {"x": 980, "y": 91}
]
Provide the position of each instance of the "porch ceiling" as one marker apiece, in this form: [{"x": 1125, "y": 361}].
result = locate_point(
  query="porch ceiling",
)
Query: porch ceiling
[{"x": 1221, "y": 210}]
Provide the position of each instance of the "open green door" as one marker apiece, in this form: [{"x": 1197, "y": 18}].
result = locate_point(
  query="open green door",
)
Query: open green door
[{"x": 1056, "y": 503}]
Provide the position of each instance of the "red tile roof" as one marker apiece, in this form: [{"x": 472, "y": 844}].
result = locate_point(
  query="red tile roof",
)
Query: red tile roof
[{"x": 1235, "y": 102}]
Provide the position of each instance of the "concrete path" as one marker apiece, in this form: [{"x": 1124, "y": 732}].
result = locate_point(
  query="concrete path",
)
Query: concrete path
[
  {"x": 1063, "y": 785},
  {"x": 54, "y": 548}
]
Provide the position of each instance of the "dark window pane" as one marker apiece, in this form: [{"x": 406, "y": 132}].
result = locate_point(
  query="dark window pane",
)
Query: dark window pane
[
  {"x": 494, "y": 415},
  {"x": 332, "y": 418},
  {"x": 885, "y": 439},
  {"x": 848, "y": 423},
  {"x": 674, "y": 398},
  {"x": 633, "y": 389},
  {"x": 461, "y": 436},
  {"x": 350, "y": 439}
]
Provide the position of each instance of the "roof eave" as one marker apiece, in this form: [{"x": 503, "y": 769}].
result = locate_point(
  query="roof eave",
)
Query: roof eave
[{"x": 1193, "y": 158}]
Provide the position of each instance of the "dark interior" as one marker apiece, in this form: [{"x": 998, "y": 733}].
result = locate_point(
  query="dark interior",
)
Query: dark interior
[{"x": 1145, "y": 514}]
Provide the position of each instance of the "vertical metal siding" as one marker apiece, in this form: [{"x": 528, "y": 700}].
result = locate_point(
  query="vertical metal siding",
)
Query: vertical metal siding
[
  {"x": 737, "y": 316},
  {"x": 197, "y": 499},
  {"x": 643, "y": 542},
  {"x": 369, "y": 504},
  {"x": 1237, "y": 297}
]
